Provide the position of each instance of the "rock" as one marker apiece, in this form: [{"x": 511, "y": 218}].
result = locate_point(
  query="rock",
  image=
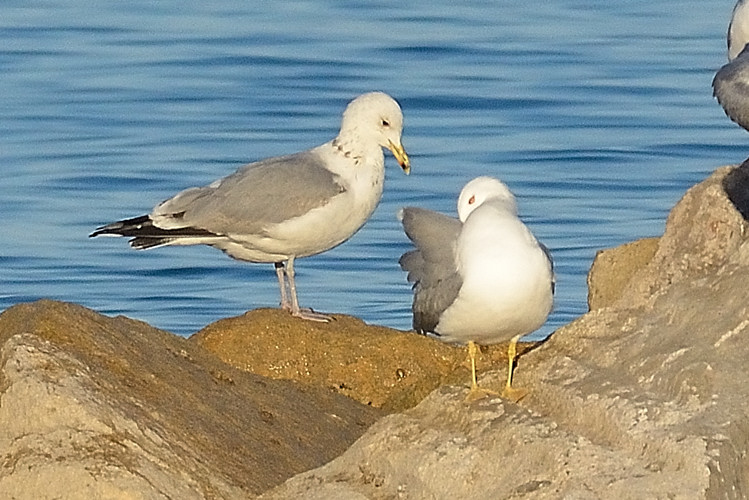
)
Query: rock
[
  {"x": 377, "y": 366},
  {"x": 644, "y": 398},
  {"x": 736, "y": 186},
  {"x": 97, "y": 407},
  {"x": 613, "y": 268},
  {"x": 703, "y": 231},
  {"x": 445, "y": 448}
]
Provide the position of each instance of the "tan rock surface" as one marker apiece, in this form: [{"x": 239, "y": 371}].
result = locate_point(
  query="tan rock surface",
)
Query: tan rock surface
[
  {"x": 613, "y": 269},
  {"x": 646, "y": 398},
  {"x": 703, "y": 231},
  {"x": 375, "y": 365},
  {"x": 97, "y": 407}
]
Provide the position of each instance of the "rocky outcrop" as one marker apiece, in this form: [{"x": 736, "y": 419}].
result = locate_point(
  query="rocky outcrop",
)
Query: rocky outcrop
[
  {"x": 95, "y": 407},
  {"x": 645, "y": 398},
  {"x": 613, "y": 269},
  {"x": 372, "y": 364}
]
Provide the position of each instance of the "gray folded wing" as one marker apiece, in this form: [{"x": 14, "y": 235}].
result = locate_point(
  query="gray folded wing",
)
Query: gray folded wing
[
  {"x": 256, "y": 196},
  {"x": 731, "y": 88},
  {"x": 547, "y": 252},
  {"x": 431, "y": 266}
]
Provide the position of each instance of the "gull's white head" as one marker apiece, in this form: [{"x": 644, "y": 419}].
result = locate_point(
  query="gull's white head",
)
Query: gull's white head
[
  {"x": 483, "y": 189},
  {"x": 738, "y": 29},
  {"x": 375, "y": 116}
]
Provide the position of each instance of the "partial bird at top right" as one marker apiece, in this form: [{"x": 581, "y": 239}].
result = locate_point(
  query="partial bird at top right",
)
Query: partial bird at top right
[{"x": 731, "y": 82}]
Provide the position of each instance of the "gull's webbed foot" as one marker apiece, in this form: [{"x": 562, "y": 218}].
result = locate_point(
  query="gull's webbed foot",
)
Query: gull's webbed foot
[
  {"x": 311, "y": 315},
  {"x": 513, "y": 394}
]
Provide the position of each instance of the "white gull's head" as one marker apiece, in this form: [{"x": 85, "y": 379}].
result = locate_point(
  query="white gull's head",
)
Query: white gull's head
[
  {"x": 376, "y": 118},
  {"x": 481, "y": 190},
  {"x": 738, "y": 29}
]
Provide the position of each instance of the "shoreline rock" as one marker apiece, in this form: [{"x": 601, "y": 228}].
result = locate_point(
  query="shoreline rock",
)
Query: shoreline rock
[
  {"x": 645, "y": 396},
  {"x": 97, "y": 407},
  {"x": 375, "y": 365}
]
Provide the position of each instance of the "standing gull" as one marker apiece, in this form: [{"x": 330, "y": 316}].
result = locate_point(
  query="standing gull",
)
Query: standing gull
[
  {"x": 731, "y": 82},
  {"x": 284, "y": 207},
  {"x": 481, "y": 279}
]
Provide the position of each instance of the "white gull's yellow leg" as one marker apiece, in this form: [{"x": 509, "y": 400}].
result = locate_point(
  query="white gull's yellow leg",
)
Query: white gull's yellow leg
[
  {"x": 476, "y": 392},
  {"x": 509, "y": 392}
]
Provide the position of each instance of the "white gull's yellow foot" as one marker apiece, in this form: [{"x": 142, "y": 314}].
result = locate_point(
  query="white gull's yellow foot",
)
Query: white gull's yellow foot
[
  {"x": 513, "y": 394},
  {"x": 509, "y": 392},
  {"x": 476, "y": 392}
]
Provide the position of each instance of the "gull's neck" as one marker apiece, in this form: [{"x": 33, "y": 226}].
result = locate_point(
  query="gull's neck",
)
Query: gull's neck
[
  {"x": 347, "y": 149},
  {"x": 351, "y": 144}
]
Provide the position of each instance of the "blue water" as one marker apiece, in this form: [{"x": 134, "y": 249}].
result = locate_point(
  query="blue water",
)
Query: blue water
[{"x": 598, "y": 115}]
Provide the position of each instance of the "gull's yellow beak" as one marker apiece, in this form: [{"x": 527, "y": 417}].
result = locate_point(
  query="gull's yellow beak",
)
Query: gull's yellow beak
[{"x": 400, "y": 156}]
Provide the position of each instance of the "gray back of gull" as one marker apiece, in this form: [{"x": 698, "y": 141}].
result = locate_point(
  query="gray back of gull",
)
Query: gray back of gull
[{"x": 282, "y": 188}]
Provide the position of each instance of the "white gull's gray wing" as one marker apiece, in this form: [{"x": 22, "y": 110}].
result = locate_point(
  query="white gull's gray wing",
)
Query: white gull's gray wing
[
  {"x": 731, "y": 82},
  {"x": 254, "y": 197},
  {"x": 731, "y": 88},
  {"x": 431, "y": 266},
  {"x": 547, "y": 252}
]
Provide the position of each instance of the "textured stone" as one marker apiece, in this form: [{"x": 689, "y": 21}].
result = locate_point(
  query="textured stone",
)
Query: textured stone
[
  {"x": 613, "y": 268},
  {"x": 644, "y": 398},
  {"x": 377, "y": 366},
  {"x": 97, "y": 407},
  {"x": 445, "y": 448}
]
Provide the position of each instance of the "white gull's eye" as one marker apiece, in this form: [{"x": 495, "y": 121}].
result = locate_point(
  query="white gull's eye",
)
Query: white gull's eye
[
  {"x": 385, "y": 123},
  {"x": 472, "y": 200}
]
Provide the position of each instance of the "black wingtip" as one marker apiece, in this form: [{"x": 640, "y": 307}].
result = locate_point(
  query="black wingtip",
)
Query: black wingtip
[
  {"x": 125, "y": 227},
  {"x": 99, "y": 231}
]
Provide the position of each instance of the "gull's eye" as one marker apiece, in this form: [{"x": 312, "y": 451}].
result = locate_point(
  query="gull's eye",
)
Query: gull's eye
[
  {"x": 472, "y": 200},
  {"x": 385, "y": 123}
]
